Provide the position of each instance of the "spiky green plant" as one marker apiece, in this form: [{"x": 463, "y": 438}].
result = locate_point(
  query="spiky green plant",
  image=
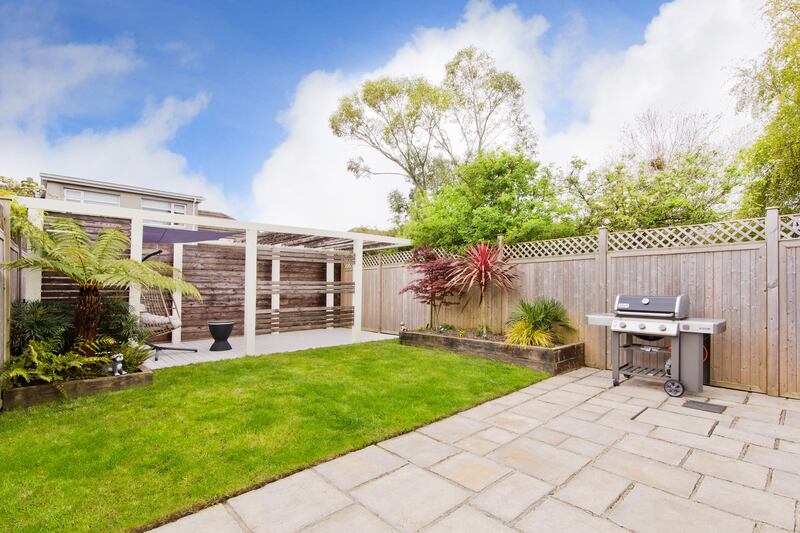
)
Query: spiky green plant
[
  {"x": 543, "y": 322},
  {"x": 93, "y": 264}
]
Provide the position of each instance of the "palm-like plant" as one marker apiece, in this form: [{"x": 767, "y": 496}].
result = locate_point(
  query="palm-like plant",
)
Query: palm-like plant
[
  {"x": 65, "y": 247},
  {"x": 483, "y": 267},
  {"x": 543, "y": 322}
]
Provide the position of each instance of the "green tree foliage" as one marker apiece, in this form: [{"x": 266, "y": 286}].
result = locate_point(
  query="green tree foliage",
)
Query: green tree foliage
[
  {"x": 14, "y": 187},
  {"x": 425, "y": 131},
  {"x": 771, "y": 87},
  {"x": 693, "y": 188},
  {"x": 498, "y": 193}
]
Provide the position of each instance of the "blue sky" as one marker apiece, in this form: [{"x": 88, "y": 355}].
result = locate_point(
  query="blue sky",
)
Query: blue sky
[
  {"x": 197, "y": 89},
  {"x": 249, "y": 56}
]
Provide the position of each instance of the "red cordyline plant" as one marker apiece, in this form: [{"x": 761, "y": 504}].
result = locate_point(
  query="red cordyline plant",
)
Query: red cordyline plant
[
  {"x": 482, "y": 267},
  {"x": 432, "y": 286}
]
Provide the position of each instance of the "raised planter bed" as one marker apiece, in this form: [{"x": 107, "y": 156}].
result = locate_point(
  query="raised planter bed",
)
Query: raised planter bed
[
  {"x": 554, "y": 360},
  {"x": 67, "y": 390}
]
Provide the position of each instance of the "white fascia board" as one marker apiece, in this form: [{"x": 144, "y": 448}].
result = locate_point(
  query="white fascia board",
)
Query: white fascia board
[
  {"x": 117, "y": 187},
  {"x": 61, "y": 206}
]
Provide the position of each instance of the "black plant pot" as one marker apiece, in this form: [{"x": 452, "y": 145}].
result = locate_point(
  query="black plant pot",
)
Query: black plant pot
[{"x": 220, "y": 331}]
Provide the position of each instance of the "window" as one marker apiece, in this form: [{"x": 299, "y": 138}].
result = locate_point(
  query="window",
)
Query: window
[
  {"x": 163, "y": 207},
  {"x": 90, "y": 197}
]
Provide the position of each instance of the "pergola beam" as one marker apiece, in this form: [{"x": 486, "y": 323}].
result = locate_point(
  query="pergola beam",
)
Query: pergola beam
[
  {"x": 62, "y": 206},
  {"x": 330, "y": 240}
]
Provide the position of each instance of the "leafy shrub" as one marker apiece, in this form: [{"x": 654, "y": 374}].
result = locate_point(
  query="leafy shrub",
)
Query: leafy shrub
[
  {"x": 118, "y": 321},
  {"x": 134, "y": 354},
  {"x": 43, "y": 362},
  {"x": 39, "y": 321},
  {"x": 543, "y": 322}
]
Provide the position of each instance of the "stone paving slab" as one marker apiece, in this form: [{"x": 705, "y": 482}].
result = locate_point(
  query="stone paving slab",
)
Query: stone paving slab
[
  {"x": 571, "y": 453},
  {"x": 649, "y": 510},
  {"x": 289, "y": 504},
  {"x": 410, "y": 498}
]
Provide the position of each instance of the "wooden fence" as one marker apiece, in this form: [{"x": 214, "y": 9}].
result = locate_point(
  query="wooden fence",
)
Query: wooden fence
[{"x": 745, "y": 271}]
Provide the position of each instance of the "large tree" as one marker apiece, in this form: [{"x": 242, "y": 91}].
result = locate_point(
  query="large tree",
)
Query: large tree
[
  {"x": 666, "y": 171},
  {"x": 497, "y": 193},
  {"x": 424, "y": 131},
  {"x": 771, "y": 88}
]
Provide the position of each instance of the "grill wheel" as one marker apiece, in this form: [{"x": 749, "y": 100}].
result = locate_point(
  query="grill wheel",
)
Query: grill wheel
[{"x": 673, "y": 388}]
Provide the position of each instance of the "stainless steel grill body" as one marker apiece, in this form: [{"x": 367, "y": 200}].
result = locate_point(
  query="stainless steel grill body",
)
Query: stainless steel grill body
[{"x": 638, "y": 321}]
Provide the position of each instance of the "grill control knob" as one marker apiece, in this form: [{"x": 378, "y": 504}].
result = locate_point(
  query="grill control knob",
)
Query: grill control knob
[
  {"x": 623, "y": 325},
  {"x": 662, "y": 327},
  {"x": 642, "y": 326}
]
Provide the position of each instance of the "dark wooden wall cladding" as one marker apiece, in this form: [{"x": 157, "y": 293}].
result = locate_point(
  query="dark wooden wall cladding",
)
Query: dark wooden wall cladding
[{"x": 218, "y": 273}]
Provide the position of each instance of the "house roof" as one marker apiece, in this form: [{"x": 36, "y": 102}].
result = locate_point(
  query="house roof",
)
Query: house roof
[{"x": 116, "y": 187}]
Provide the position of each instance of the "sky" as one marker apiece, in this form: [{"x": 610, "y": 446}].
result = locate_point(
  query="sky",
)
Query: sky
[{"x": 230, "y": 100}]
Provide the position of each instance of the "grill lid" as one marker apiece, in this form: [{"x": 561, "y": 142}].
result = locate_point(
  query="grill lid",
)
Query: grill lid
[{"x": 675, "y": 307}]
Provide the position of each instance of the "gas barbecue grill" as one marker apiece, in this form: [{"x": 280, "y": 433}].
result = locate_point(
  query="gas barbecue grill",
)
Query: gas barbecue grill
[{"x": 640, "y": 322}]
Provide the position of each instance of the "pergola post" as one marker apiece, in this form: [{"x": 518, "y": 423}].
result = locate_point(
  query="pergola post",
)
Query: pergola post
[
  {"x": 358, "y": 279},
  {"x": 275, "y": 296},
  {"x": 329, "y": 279},
  {"x": 32, "y": 277},
  {"x": 137, "y": 234},
  {"x": 250, "y": 283},
  {"x": 177, "y": 297}
]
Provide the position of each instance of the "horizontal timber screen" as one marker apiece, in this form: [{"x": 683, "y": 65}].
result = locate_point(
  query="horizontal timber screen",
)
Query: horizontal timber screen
[
  {"x": 746, "y": 271},
  {"x": 218, "y": 270}
]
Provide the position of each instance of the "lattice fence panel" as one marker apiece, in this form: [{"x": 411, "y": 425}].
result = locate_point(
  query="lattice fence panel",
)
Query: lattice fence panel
[
  {"x": 727, "y": 232},
  {"x": 395, "y": 258},
  {"x": 585, "y": 244},
  {"x": 790, "y": 227}
]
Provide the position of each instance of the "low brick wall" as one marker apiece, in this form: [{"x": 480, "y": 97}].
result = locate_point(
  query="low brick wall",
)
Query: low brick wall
[{"x": 556, "y": 360}]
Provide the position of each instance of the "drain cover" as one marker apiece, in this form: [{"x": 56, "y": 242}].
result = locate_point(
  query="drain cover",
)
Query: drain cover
[{"x": 703, "y": 406}]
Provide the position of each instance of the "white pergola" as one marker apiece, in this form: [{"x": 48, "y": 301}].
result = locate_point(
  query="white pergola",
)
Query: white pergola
[{"x": 255, "y": 235}]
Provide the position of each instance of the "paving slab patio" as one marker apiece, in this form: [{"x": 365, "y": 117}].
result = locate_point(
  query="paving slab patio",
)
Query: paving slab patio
[{"x": 571, "y": 453}]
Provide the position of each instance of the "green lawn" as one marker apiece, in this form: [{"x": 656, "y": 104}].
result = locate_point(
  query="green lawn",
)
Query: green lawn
[{"x": 128, "y": 459}]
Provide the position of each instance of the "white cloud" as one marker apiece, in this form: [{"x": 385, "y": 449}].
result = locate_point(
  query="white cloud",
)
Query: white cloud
[
  {"x": 40, "y": 82},
  {"x": 685, "y": 61},
  {"x": 305, "y": 182}
]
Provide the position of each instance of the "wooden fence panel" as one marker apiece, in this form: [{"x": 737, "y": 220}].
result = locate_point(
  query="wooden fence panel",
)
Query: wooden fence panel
[
  {"x": 371, "y": 299},
  {"x": 722, "y": 282},
  {"x": 572, "y": 282},
  {"x": 790, "y": 319},
  {"x": 396, "y": 307}
]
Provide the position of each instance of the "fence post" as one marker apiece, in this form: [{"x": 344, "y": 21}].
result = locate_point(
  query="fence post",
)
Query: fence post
[
  {"x": 5, "y": 223},
  {"x": 32, "y": 277},
  {"x": 772, "y": 228},
  {"x": 602, "y": 285},
  {"x": 503, "y": 295},
  {"x": 380, "y": 293}
]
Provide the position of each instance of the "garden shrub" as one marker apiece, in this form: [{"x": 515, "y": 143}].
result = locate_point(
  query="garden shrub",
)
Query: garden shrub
[
  {"x": 43, "y": 361},
  {"x": 40, "y": 321},
  {"x": 543, "y": 322},
  {"x": 118, "y": 321}
]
